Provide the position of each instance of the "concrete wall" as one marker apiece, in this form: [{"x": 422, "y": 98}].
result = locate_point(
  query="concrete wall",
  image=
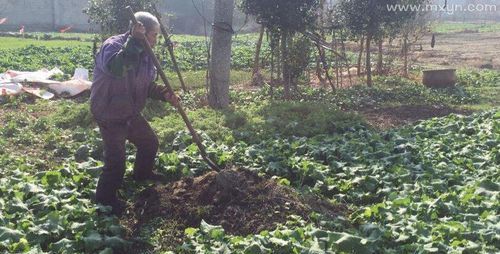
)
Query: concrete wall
[
  {"x": 69, "y": 13},
  {"x": 52, "y": 15},
  {"x": 43, "y": 15}
]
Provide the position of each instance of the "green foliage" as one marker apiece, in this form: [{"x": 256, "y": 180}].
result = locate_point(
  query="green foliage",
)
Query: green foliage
[
  {"x": 300, "y": 56},
  {"x": 387, "y": 90},
  {"x": 373, "y": 18},
  {"x": 205, "y": 119},
  {"x": 431, "y": 187},
  {"x": 50, "y": 211},
  {"x": 112, "y": 16},
  {"x": 32, "y": 58},
  {"x": 192, "y": 54},
  {"x": 254, "y": 123},
  {"x": 283, "y": 19},
  {"x": 484, "y": 83},
  {"x": 482, "y": 78},
  {"x": 428, "y": 187},
  {"x": 294, "y": 237},
  {"x": 304, "y": 119},
  {"x": 282, "y": 15},
  {"x": 52, "y": 36},
  {"x": 70, "y": 115},
  {"x": 16, "y": 43}
]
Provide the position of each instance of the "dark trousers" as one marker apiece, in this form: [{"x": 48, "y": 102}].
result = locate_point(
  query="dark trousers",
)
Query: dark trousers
[{"x": 114, "y": 136}]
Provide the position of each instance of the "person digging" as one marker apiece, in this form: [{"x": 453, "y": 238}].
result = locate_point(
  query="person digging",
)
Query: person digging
[{"x": 123, "y": 79}]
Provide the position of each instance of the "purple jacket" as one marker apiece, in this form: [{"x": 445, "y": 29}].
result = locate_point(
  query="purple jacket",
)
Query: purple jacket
[{"x": 110, "y": 98}]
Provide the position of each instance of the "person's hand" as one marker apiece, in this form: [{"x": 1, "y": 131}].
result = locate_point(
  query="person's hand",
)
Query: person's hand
[
  {"x": 171, "y": 97},
  {"x": 138, "y": 31}
]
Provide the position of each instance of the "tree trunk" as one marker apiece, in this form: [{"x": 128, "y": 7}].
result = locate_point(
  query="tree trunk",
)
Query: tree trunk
[
  {"x": 285, "y": 63},
  {"x": 368, "y": 60},
  {"x": 319, "y": 70},
  {"x": 321, "y": 53},
  {"x": 279, "y": 73},
  {"x": 405, "y": 56},
  {"x": 256, "y": 75},
  {"x": 275, "y": 46},
  {"x": 360, "y": 57},
  {"x": 336, "y": 59},
  {"x": 220, "y": 63},
  {"x": 380, "y": 60},
  {"x": 293, "y": 79},
  {"x": 347, "y": 62},
  {"x": 325, "y": 65},
  {"x": 271, "y": 88}
]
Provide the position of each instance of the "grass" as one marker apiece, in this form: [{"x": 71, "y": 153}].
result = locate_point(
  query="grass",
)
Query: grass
[
  {"x": 457, "y": 27},
  {"x": 82, "y": 36},
  {"x": 490, "y": 97},
  {"x": 485, "y": 84},
  {"x": 14, "y": 43}
]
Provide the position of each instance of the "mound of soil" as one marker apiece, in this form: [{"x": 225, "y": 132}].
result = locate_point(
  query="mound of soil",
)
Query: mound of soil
[
  {"x": 239, "y": 200},
  {"x": 390, "y": 117}
]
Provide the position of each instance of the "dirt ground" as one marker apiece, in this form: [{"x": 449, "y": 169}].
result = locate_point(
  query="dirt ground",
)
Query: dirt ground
[
  {"x": 392, "y": 117},
  {"x": 239, "y": 200},
  {"x": 468, "y": 49},
  {"x": 460, "y": 50}
]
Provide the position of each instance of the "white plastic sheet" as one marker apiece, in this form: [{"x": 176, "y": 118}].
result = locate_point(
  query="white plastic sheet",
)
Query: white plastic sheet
[
  {"x": 71, "y": 87},
  {"x": 10, "y": 89},
  {"x": 38, "y": 92},
  {"x": 81, "y": 73},
  {"x": 41, "y": 76},
  {"x": 38, "y": 82}
]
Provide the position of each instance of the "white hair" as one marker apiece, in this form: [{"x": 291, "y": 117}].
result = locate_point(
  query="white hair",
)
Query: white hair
[{"x": 147, "y": 19}]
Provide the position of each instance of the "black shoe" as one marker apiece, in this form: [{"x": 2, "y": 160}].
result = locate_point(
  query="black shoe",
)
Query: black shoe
[
  {"x": 152, "y": 176},
  {"x": 117, "y": 207}
]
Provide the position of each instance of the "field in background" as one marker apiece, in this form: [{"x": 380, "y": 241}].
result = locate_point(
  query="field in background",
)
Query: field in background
[
  {"x": 16, "y": 43},
  {"x": 458, "y": 27},
  {"x": 460, "y": 50}
]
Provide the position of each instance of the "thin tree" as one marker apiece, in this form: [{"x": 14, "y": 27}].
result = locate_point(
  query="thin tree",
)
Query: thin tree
[
  {"x": 360, "y": 55},
  {"x": 285, "y": 17},
  {"x": 380, "y": 59},
  {"x": 257, "y": 78},
  {"x": 412, "y": 30},
  {"x": 170, "y": 46},
  {"x": 321, "y": 52},
  {"x": 373, "y": 18}
]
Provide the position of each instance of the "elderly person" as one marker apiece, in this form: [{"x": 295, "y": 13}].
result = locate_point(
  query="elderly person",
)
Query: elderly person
[{"x": 123, "y": 79}]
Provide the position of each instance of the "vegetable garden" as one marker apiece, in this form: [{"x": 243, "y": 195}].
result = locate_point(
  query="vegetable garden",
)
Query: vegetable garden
[
  {"x": 315, "y": 174},
  {"x": 431, "y": 186}
]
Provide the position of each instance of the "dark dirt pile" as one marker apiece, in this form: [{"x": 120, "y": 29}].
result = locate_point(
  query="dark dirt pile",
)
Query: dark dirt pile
[{"x": 240, "y": 201}]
